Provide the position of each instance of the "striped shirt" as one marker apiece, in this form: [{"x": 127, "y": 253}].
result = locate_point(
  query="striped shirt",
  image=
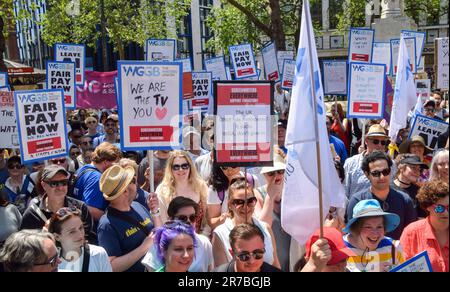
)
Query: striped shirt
[{"x": 373, "y": 261}]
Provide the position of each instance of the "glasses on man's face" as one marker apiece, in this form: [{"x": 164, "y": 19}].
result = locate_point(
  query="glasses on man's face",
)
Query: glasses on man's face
[
  {"x": 183, "y": 166},
  {"x": 191, "y": 218},
  {"x": 429, "y": 109},
  {"x": 376, "y": 142},
  {"x": 273, "y": 173},
  {"x": 439, "y": 208},
  {"x": 91, "y": 122},
  {"x": 15, "y": 166},
  {"x": 110, "y": 125},
  {"x": 378, "y": 173},
  {"x": 251, "y": 202},
  {"x": 53, "y": 261},
  {"x": 59, "y": 183},
  {"x": 245, "y": 256},
  {"x": 58, "y": 161},
  {"x": 86, "y": 143}
]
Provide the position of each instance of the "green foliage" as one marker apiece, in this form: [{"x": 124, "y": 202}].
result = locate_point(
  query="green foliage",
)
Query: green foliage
[
  {"x": 6, "y": 13},
  {"x": 353, "y": 15},
  {"x": 432, "y": 9}
]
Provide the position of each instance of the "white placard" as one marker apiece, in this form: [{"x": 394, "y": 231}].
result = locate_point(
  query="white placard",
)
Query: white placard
[
  {"x": 366, "y": 91},
  {"x": 160, "y": 50},
  {"x": 429, "y": 129},
  {"x": 3, "y": 79},
  {"x": 72, "y": 53},
  {"x": 382, "y": 55},
  {"x": 284, "y": 55},
  {"x": 335, "y": 77},
  {"x": 288, "y": 74},
  {"x": 150, "y": 105},
  {"x": 420, "y": 42},
  {"x": 217, "y": 67},
  {"x": 9, "y": 137},
  {"x": 62, "y": 75},
  {"x": 423, "y": 88},
  {"x": 269, "y": 54},
  {"x": 360, "y": 45},
  {"x": 410, "y": 46},
  {"x": 41, "y": 119},
  {"x": 417, "y": 264},
  {"x": 243, "y": 61},
  {"x": 202, "y": 83},
  {"x": 441, "y": 63},
  {"x": 187, "y": 65}
]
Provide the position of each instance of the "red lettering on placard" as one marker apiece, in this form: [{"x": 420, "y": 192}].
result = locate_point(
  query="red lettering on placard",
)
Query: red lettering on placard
[
  {"x": 200, "y": 102},
  {"x": 365, "y": 107},
  {"x": 247, "y": 71},
  {"x": 360, "y": 57},
  {"x": 150, "y": 134},
  {"x": 44, "y": 145}
]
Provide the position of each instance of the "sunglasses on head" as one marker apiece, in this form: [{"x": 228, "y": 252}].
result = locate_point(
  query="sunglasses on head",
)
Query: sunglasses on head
[
  {"x": 58, "y": 161},
  {"x": 15, "y": 166},
  {"x": 378, "y": 173},
  {"x": 184, "y": 166},
  {"x": 382, "y": 142},
  {"x": 273, "y": 173},
  {"x": 191, "y": 218},
  {"x": 249, "y": 202},
  {"x": 60, "y": 183},
  {"x": 67, "y": 211},
  {"x": 245, "y": 256},
  {"x": 439, "y": 208}
]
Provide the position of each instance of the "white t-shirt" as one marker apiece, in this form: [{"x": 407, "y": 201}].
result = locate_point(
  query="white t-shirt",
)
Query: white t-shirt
[
  {"x": 98, "y": 261},
  {"x": 202, "y": 260}
]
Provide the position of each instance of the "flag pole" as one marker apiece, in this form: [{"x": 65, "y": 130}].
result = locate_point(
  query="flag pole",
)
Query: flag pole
[
  {"x": 316, "y": 127},
  {"x": 152, "y": 174},
  {"x": 246, "y": 186}
]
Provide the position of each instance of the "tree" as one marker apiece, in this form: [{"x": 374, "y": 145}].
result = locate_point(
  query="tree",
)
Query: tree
[
  {"x": 126, "y": 21},
  {"x": 431, "y": 9},
  {"x": 6, "y": 18}
]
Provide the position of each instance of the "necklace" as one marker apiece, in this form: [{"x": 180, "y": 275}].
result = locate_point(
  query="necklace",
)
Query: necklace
[{"x": 406, "y": 184}]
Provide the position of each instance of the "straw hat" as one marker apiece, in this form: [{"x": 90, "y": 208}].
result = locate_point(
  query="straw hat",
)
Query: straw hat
[
  {"x": 115, "y": 180},
  {"x": 377, "y": 131},
  {"x": 278, "y": 164},
  {"x": 404, "y": 147}
]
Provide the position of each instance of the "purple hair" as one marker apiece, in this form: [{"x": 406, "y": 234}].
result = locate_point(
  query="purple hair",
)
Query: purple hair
[{"x": 165, "y": 234}]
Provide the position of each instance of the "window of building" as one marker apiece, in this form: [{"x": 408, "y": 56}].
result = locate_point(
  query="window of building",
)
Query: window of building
[{"x": 206, "y": 33}]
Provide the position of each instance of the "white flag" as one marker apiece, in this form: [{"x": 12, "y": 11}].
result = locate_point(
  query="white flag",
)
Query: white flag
[
  {"x": 300, "y": 204},
  {"x": 405, "y": 95},
  {"x": 418, "y": 109}
]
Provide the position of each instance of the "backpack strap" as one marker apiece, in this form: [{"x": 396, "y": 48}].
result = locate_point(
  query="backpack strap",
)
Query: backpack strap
[
  {"x": 115, "y": 213},
  {"x": 37, "y": 210},
  {"x": 393, "y": 252},
  {"x": 86, "y": 259},
  {"x": 221, "y": 194}
]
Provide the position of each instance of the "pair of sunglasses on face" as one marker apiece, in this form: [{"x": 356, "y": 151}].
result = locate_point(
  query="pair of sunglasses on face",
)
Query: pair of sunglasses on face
[
  {"x": 183, "y": 166},
  {"x": 378, "y": 173},
  {"x": 60, "y": 183},
  {"x": 245, "y": 256},
  {"x": 273, "y": 173},
  {"x": 191, "y": 218},
  {"x": 439, "y": 208},
  {"x": 382, "y": 142},
  {"x": 249, "y": 202}
]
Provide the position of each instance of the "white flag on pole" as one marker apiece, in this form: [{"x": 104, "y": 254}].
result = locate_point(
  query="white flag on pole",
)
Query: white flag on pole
[
  {"x": 300, "y": 204},
  {"x": 405, "y": 95},
  {"x": 418, "y": 109}
]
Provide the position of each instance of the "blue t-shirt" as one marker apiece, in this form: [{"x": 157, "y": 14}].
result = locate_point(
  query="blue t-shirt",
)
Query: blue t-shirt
[
  {"x": 396, "y": 202},
  {"x": 339, "y": 146},
  {"x": 141, "y": 198},
  {"x": 119, "y": 237},
  {"x": 4, "y": 174},
  {"x": 87, "y": 188}
]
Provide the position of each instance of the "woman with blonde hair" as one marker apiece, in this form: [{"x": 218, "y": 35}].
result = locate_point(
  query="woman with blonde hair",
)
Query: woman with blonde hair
[
  {"x": 181, "y": 179},
  {"x": 439, "y": 166}
]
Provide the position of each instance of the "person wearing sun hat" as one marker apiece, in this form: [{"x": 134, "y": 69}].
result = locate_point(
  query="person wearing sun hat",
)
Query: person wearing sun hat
[
  {"x": 124, "y": 229},
  {"x": 374, "y": 252},
  {"x": 416, "y": 145}
]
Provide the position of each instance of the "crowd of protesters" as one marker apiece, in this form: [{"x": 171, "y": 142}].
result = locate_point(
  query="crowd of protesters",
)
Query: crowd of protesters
[{"x": 94, "y": 210}]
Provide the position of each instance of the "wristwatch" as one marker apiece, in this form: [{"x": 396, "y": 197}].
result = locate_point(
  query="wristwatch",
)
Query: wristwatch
[{"x": 157, "y": 213}]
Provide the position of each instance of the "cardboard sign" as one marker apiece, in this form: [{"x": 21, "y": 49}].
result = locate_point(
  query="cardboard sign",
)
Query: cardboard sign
[
  {"x": 188, "y": 89},
  {"x": 418, "y": 263},
  {"x": 420, "y": 42},
  {"x": 160, "y": 50},
  {"x": 360, "y": 45},
  {"x": 3, "y": 79},
  {"x": 244, "y": 64},
  {"x": 8, "y": 126},
  {"x": 41, "y": 119},
  {"x": 366, "y": 91},
  {"x": 243, "y": 135},
  {"x": 423, "y": 88},
  {"x": 5, "y": 88},
  {"x": 62, "y": 75},
  {"x": 217, "y": 67},
  {"x": 150, "y": 105},
  {"x": 187, "y": 65},
  {"x": 72, "y": 53},
  {"x": 288, "y": 74},
  {"x": 335, "y": 77},
  {"x": 429, "y": 129},
  {"x": 284, "y": 55},
  {"x": 269, "y": 54},
  {"x": 410, "y": 46},
  {"x": 382, "y": 55},
  {"x": 441, "y": 62},
  {"x": 202, "y": 82}
]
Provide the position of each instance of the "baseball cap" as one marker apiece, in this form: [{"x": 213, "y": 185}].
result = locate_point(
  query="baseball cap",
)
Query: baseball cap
[{"x": 51, "y": 170}]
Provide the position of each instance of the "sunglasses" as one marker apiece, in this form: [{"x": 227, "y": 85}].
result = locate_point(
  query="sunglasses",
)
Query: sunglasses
[
  {"x": 273, "y": 173},
  {"x": 86, "y": 142},
  {"x": 61, "y": 183},
  {"x": 245, "y": 256},
  {"x": 225, "y": 168},
  {"x": 67, "y": 211},
  {"x": 184, "y": 166},
  {"x": 431, "y": 110},
  {"x": 439, "y": 208},
  {"x": 53, "y": 261},
  {"x": 58, "y": 161},
  {"x": 378, "y": 173},
  {"x": 110, "y": 125},
  {"x": 249, "y": 202},
  {"x": 382, "y": 142},
  {"x": 15, "y": 166},
  {"x": 191, "y": 218}
]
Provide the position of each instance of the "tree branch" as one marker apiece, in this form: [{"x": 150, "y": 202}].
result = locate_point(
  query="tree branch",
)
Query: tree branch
[{"x": 266, "y": 29}]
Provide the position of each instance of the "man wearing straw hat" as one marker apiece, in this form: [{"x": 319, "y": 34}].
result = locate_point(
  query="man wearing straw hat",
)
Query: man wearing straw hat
[{"x": 124, "y": 230}]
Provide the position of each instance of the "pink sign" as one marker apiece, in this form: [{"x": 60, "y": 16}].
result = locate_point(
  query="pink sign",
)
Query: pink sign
[{"x": 98, "y": 91}]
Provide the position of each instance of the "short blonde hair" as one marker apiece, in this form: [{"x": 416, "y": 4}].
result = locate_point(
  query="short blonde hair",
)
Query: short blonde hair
[{"x": 124, "y": 162}]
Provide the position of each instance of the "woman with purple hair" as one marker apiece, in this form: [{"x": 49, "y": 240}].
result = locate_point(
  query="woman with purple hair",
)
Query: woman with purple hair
[{"x": 175, "y": 243}]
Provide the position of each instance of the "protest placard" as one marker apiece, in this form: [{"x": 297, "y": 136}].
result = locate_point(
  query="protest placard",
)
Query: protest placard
[
  {"x": 429, "y": 129},
  {"x": 3, "y": 79},
  {"x": 269, "y": 55},
  {"x": 420, "y": 42},
  {"x": 98, "y": 91},
  {"x": 366, "y": 91},
  {"x": 5, "y": 88},
  {"x": 8, "y": 126},
  {"x": 254, "y": 78},
  {"x": 228, "y": 72},
  {"x": 217, "y": 67},
  {"x": 418, "y": 263},
  {"x": 202, "y": 82},
  {"x": 72, "y": 53},
  {"x": 188, "y": 89},
  {"x": 243, "y": 135},
  {"x": 288, "y": 74},
  {"x": 441, "y": 62},
  {"x": 160, "y": 50},
  {"x": 335, "y": 77},
  {"x": 360, "y": 45},
  {"x": 41, "y": 118},
  {"x": 150, "y": 105},
  {"x": 284, "y": 55},
  {"x": 423, "y": 88},
  {"x": 243, "y": 61},
  {"x": 62, "y": 75},
  {"x": 187, "y": 65},
  {"x": 382, "y": 55},
  {"x": 410, "y": 46}
]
